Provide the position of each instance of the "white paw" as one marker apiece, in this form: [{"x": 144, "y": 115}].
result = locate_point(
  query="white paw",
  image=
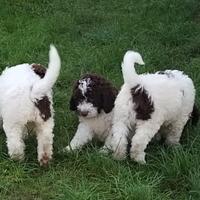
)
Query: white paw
[
  {"x": 67, "y": 149},
  {"x": 138, "y": 157},
  {"x": 119, "y": 149},
  {"x": 119, "y": 156},
  {"x": 157, "y": 137},
  {"x": 119, "y": 153},
  {"x": 17, "y": 156},
  {"x": 172, "y": 143},
  {"x": 17, "y": 153},
  {"x": 104, "y": 150}
]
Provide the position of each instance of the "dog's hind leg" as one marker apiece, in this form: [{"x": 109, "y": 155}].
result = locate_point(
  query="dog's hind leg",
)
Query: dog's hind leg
[
  {"x": 174, "y": 135},
  {"x": 44, "y": 131},
  {"x": 15, "y": 143}
]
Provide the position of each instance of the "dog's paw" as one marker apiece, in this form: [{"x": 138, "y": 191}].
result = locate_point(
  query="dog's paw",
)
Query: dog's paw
[
  {"x": 17, "y": 156},
  {"x": 104, "y": 150},
  {"x": 157, "y": 137},
  {"x": 119, "y": 149},
  {"x": 119, "y": 154},
  {"x": 170, "y": 142},
  {"x": 67, "y": 149},
  {"x": 138, "y": 157},
  {"x": 44, "y": 160}
]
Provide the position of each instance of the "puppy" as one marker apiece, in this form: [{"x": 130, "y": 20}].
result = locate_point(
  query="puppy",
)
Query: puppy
[
  {"x": 26, "y": 98},
  {"x": 93, "y": 100},
  {"x": 148, "y": 102}
]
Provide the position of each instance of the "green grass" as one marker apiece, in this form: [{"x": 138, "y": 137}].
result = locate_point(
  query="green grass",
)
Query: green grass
[{"x": 92, "y": 36}]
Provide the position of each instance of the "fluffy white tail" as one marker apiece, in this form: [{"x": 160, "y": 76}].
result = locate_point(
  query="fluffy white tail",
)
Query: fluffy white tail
[
  {"x": 129, "y": 74},
  {"x": 45, "y": 84}
]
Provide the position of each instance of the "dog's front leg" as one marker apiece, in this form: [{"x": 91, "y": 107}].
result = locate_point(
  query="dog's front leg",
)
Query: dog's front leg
[
  {"x": 82, "y": 136},
  {"x": 45, "y": 141},
  {"x": 145, "y": 131}
]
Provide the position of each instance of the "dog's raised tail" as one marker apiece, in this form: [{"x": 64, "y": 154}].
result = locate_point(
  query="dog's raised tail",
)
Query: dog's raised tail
[
  {"x": 129, "y": 74},
  {"x": 45, "y": 84}
]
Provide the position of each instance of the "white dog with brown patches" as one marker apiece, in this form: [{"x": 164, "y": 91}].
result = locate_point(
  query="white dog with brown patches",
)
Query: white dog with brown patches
[
  {"x": 26, "y": 98},
  {"x": 148, "y": 102},
  {"x": 93, "y": 100}
]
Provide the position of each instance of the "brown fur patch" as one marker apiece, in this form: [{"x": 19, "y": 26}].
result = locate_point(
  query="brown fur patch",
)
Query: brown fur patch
[
  {"x": 100, "y": 93},
  {"x": 44, "y": 160},
  {"x": 44, "y": 107},
  {"x": 39, "y": 69},
  {"x": 143, "y": 104}
]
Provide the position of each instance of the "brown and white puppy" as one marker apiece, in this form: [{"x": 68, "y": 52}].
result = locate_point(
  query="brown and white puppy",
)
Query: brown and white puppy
[
  {"x": 93, "y": 100},
  {"x": 26, "y": 98},
  {"x": 148, "y": 102}
]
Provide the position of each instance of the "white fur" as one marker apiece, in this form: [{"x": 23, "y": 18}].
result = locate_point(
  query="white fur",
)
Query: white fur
[
  {"x": 20, "y": 87},
  {"x": 128, "y": 69},
  {"x": 173, "y": 100},
  {"x": 84, "y": 85},
  {"x": 89, "y": 108},
  {"x": 98, "y": 126}
]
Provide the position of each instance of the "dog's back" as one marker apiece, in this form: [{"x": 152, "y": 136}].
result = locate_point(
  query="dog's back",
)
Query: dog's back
[
  {"x": 170, "y": 90},
  {"x": 21, "y": 87}
]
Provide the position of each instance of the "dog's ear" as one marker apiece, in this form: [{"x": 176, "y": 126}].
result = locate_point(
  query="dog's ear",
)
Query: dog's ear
[
  {"x": 109, "y": 94},
  {"x": 72, "y": 104}
]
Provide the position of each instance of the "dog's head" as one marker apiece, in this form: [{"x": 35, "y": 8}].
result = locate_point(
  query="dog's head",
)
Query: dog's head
[{"x": 91, "y": 95}]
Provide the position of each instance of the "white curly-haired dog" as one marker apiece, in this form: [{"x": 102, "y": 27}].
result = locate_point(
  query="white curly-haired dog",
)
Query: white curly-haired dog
[
  {"x": 148, "y": 102},
  {"x": 93, "y": 100},
  {"x": 26, "y": 99}
]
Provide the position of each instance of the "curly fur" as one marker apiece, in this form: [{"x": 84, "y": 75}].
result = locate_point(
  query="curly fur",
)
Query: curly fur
[
  {"x": 26, "y": 98},
  {"x": 145, "y": 103},
  {"x": 93, "y": 100}
]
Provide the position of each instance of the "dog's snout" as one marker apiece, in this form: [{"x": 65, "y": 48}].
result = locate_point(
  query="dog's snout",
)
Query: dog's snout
[{"x": 84, "y": 113}]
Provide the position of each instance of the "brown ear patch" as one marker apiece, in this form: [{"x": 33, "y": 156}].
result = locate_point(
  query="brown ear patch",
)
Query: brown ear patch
[
  {"x": 39, "y": 69},
  {"x": 143, "y": 104},
  {"x": 109, "y": 94},
  {"x": 102, "y": 93},
  {"x": 44, "y": 107}
]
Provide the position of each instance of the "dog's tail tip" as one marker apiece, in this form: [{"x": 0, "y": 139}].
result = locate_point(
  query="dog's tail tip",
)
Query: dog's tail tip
[
  {"x": 41, "y": 87},
  {"x": 52, "y": 46},
  {"x": 132, "y": 57},
  {"x": 128, "y": 70},
  {"x": 52, "y": 50},
  {"x": 54, "y": 56}
]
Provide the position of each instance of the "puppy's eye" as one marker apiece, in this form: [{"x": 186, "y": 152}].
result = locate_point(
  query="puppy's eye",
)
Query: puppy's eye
[
  {"x": 89, "y": 99},
  {"x": 89, "y": 93},
  {"x": 89, "y": 89}
]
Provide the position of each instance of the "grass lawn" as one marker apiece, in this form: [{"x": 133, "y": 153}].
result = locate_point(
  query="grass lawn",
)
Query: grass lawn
[{"x": 92, "y": 36}]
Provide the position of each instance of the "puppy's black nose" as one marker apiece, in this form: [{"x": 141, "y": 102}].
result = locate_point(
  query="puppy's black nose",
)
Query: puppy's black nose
[{"x": 84, "y": 113}]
